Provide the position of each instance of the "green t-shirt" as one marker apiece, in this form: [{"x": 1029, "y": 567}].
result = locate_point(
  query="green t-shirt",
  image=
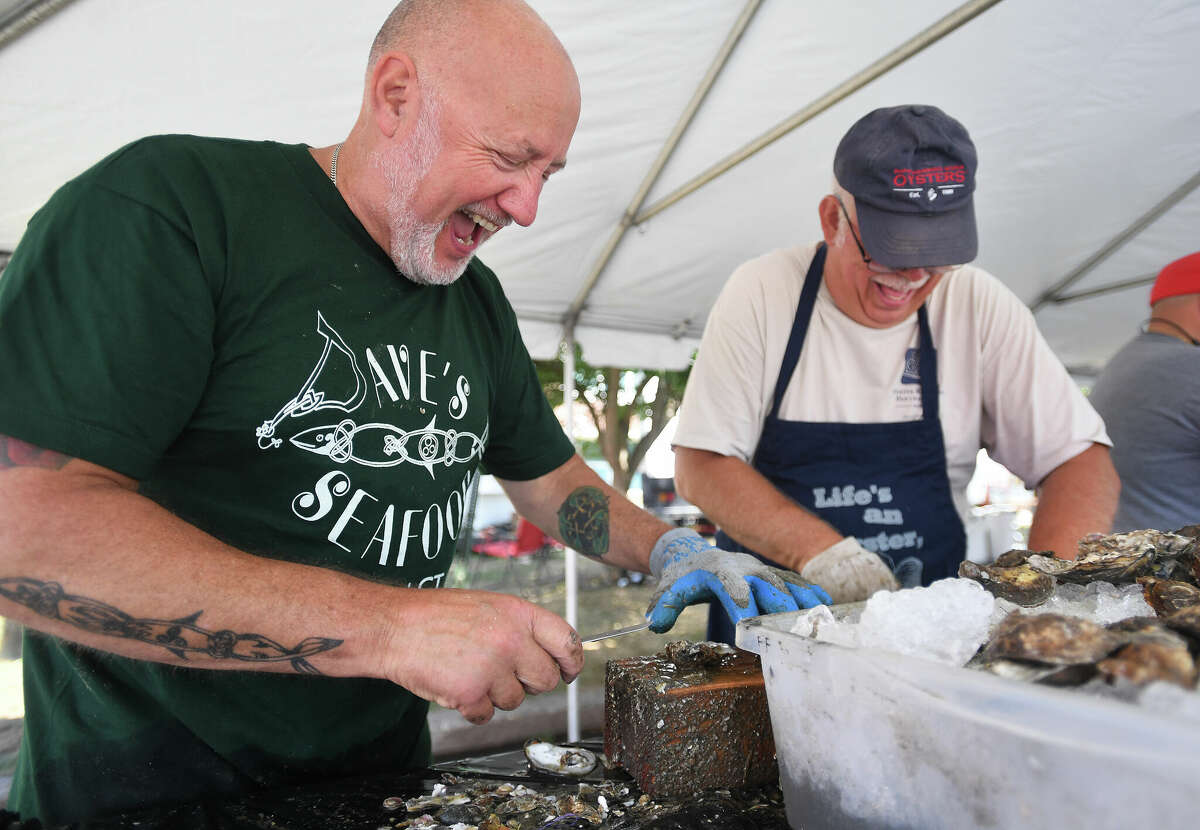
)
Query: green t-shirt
[{"x": 207, "y": 316}]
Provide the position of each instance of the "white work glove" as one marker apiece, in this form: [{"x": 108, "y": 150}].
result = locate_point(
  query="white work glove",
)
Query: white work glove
[
  {"x": 690, "y": 570},
  {"x": 849, "y": 572}
]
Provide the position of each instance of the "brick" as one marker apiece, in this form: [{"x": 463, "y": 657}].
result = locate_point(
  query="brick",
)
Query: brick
[{"x": 693, "y": 717}]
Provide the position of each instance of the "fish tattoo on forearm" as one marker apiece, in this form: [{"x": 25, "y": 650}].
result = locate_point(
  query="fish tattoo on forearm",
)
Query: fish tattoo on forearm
[{"x": 181, "y": 637}]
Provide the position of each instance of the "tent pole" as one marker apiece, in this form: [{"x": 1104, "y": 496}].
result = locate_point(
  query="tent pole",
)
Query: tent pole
[
  {"x": 23, "y": 16},
  {"x": 1173, "y": 198},
  {"x": 664, "y": 155},
  {"x": 569, "y": 575},
  {"x": 963, "y": 14},
  {"x": 1111, "y": 288}
]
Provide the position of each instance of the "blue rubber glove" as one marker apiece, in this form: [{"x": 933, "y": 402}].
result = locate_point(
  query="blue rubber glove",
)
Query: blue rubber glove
[{"x": 690, "y": 570}]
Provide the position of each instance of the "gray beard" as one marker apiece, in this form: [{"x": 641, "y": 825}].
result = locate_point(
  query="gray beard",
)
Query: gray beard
[{"x": 412, "y": 242}]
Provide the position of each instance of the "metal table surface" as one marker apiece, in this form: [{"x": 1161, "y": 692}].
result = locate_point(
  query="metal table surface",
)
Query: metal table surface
[{"x": 359, "y": 803}]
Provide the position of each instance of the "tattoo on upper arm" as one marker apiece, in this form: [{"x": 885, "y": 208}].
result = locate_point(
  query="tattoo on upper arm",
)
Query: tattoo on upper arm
[
  {"x": 583, "y": 521},
  {"x": 181, "y": 637},
  {"x": 17, "y": 453}
]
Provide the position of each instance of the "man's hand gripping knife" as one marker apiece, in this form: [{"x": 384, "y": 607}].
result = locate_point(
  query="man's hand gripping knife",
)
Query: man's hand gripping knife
[
  {"x": 849, "y": 571},
  {"x": 689, "y": 570}
]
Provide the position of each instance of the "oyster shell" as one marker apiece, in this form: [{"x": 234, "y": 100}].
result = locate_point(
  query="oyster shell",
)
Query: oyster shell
[
  {"x": 1186, "y": 621},
  {"x": 1166, "y": 596},
  {"x": 1190, "y": 531},
  {"x": 1026, "y": 672},
  {"x": 1135, "y": 541},
  {"x": 560, "y": 760},
  {"x": 1145, "y": 662},
  {"x": 1017, "y": 556},
  {"x": 1187, "y": 564},
  {"x": 462, "y": 814},
  {"x": 426, "y": 803},
  {"x": 1020, "y": 584},
  {"x": 1048, "y": 563},
  {"x": 1050, "y": 638},
  {"x": 1146, "y": 630},
  {"x": 1118, "y": 558},
  {"x": 689, "y": 655}
]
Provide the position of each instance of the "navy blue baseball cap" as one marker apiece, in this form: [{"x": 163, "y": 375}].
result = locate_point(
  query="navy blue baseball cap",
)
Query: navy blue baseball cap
[{"x": 911, "y": 170}]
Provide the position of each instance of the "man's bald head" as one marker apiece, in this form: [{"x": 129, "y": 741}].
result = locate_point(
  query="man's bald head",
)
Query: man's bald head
[{"x": 430, "y": 31}]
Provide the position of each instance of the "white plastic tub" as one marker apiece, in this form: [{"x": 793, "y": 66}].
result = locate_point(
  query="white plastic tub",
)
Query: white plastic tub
[{"x": 869, "y": 739}]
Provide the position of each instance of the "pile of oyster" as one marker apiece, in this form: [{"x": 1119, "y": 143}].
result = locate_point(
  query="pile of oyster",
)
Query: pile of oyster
[
  {"x": 483, "y": 804},
  {"x": 1064, "y": 650},
  {"x": 488, "y": 805}
]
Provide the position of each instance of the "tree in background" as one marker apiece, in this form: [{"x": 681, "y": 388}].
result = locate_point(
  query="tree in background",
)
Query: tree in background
[{"x": 616, "y": 399}]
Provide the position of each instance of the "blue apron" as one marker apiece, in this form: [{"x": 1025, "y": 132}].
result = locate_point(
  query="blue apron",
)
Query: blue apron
[{"x": 885, "y": 483}]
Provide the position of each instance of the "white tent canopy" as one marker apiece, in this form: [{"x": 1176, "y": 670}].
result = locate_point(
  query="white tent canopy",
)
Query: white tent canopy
[{"x": 1085, "y": 113}]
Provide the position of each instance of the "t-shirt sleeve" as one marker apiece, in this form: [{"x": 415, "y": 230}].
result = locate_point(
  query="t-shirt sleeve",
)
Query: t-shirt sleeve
[
  {"x": 726, "y": 398},
  {"x": 525, "y": 440},
  {"x": 1034, "y": 415},
  {"x": 105, "y": 329}
]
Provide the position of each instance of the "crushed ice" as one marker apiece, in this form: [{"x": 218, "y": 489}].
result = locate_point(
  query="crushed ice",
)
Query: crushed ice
[
  {"x": 946, "y": 622},
  {"x": 1100, "y": 602}
]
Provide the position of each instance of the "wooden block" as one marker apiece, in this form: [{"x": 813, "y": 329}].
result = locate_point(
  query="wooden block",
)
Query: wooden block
[{"x": 694, "y": 717}]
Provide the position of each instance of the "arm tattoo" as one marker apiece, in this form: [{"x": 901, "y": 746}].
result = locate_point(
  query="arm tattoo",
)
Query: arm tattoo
[
  {"x": 17, "y": 453},
  {"x": 583, "y": 521},
  {"x": 180, "y": 637}
]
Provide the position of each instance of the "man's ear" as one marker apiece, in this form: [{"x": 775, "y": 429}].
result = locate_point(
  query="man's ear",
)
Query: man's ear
[
  {"x": 394, "y": 93},
  {"x": 830, "y": 215}
]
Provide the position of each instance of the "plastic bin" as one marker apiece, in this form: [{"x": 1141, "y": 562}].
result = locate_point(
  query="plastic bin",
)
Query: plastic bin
[{"x": 870, "y": 739}]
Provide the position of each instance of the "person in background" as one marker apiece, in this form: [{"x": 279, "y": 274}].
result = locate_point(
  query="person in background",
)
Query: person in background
[
  {"x": 843, "y": 388},
  {"x": 1149, "y": 397},
  {"x": 245, "y": 388}
]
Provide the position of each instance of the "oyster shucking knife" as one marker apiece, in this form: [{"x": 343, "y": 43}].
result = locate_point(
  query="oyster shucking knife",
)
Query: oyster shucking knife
[{"x": 629, "y": 629}]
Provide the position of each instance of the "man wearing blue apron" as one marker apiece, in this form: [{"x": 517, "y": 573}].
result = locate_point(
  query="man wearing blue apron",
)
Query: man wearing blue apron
[{"x": 843, "y": 390}]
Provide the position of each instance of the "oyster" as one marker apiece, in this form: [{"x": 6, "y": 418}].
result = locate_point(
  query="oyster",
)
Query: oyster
[
  {"x": 1118, "y": 558},
  {"x": 568, "y": 821},
  {"x": 560, "y": 760},
  {"x": 1190, "y": 531},
  {"x": 1145, "y": 662},
  {"x": 1115, "y": 567},
  {"x": 1146, "y": 630},
  {"x": 1048, "y": 563},
  {"x": 470, "y": 814},
  {"x": 424, "y": 803},
  {"x": 1020, "y": 584},
  {"x": 1027, "y": 672},
  {"x": 1186, "y": 621},
  {"x": 1018, "y": 556},
  {"x": 1050, "y": 638},
  {"x": 688, "y": 655},
  {"x": 1163, "y": 544},
  {"x": 1166, "y": 596},
  {"x": 1187, "y": 564}
]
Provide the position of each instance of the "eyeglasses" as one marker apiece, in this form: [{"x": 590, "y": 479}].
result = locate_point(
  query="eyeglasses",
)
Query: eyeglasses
[{"x": 879, "y": 267}]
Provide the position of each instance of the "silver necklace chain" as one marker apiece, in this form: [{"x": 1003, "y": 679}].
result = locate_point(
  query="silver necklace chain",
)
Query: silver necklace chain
[{"x": 333, "y": 164}]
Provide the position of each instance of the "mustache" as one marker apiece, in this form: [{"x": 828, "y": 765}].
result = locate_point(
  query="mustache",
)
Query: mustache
[{"x": 899, "y": 283}]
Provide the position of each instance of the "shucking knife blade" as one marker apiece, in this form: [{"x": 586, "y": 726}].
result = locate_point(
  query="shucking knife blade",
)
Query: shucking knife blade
[{"x": 629, "y": 629}]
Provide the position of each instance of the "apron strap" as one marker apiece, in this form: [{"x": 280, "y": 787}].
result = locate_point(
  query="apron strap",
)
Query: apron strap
[
  {"x": 804, "y": 310},
  {"x": 927, "y": 366}
]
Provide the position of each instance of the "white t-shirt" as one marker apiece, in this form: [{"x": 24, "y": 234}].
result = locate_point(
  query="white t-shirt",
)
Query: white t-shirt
[{"x": 999, "y": 384}]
